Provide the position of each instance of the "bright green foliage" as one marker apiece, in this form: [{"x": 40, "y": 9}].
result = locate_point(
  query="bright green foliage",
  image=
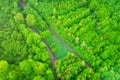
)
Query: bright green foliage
[
  {"x": 19, "y": 18},
  {"x": 89, "y": 27},
  {"x": 3, "y": 66},
  {"x": 71, "y": 67},
  {"x": 12, "y": 75},
  {"x": 39, "y": 67},
  {"x": 26, "y": 67},
  {"x": 3, "y": 70},
  {"x": 94, "y": 5},
  {"x": 39, "y": 78},
  {"x": 30, "y": 20},
  {"x": 29, "y": 69},
  {"x": 45, "y": 34},
  {"x": 19, "y": 45}
]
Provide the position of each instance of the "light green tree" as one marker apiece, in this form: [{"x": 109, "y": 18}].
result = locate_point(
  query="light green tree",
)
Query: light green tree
[
  {"x": 30, "y": 20},
  {"x": 3, "y": 70},
  {"x": 19, "y": 18}
]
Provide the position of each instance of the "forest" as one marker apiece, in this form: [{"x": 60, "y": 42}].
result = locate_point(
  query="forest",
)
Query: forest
[{"x": 59, "y": 39}]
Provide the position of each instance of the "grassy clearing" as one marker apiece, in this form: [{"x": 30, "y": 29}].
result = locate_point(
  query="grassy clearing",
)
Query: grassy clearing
[{"x": 60, "y": 49}]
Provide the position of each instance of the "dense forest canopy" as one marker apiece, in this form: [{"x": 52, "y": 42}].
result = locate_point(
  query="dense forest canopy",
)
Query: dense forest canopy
[{"x": 59, "y": 40}]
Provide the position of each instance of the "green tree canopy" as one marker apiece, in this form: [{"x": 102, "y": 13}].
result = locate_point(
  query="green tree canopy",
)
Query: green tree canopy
[{"x": 30, "y": 20}]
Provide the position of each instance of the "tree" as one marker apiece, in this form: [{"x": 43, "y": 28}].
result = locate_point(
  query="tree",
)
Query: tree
[
  {"x": 46, "y": 34},
  {"x": 3, "y": 70},
  {"x": 19, "y": 18},
  {"x": 39, "y": 78},
  {"x": 3, "y": 66},
  {"x": 13, "y": 75},
  {"x": 71, "y": 66},
  {"x": 30, "y": 20},
  {"x": 94, "y": 5},
  {"x": 49, "y": 74},
  {"x": 76, "y": 40},
  {"x": 39, "y": 68},
  {"x": 26, "y": 68},
  {"x": 30, "y": 70}
]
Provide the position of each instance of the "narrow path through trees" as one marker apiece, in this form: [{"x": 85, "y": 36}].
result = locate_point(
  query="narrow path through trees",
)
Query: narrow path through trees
[
  {"x": 52, "y": 58},
  {"x": 22, "y": 4},
  {"x": 50, "y": 53},
  {"x": 65, "y": 44},
  {"x": 58, "y": 37}
]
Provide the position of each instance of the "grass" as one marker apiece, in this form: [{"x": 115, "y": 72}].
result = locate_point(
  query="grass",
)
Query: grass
[{"x": 61, "y": 50}]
